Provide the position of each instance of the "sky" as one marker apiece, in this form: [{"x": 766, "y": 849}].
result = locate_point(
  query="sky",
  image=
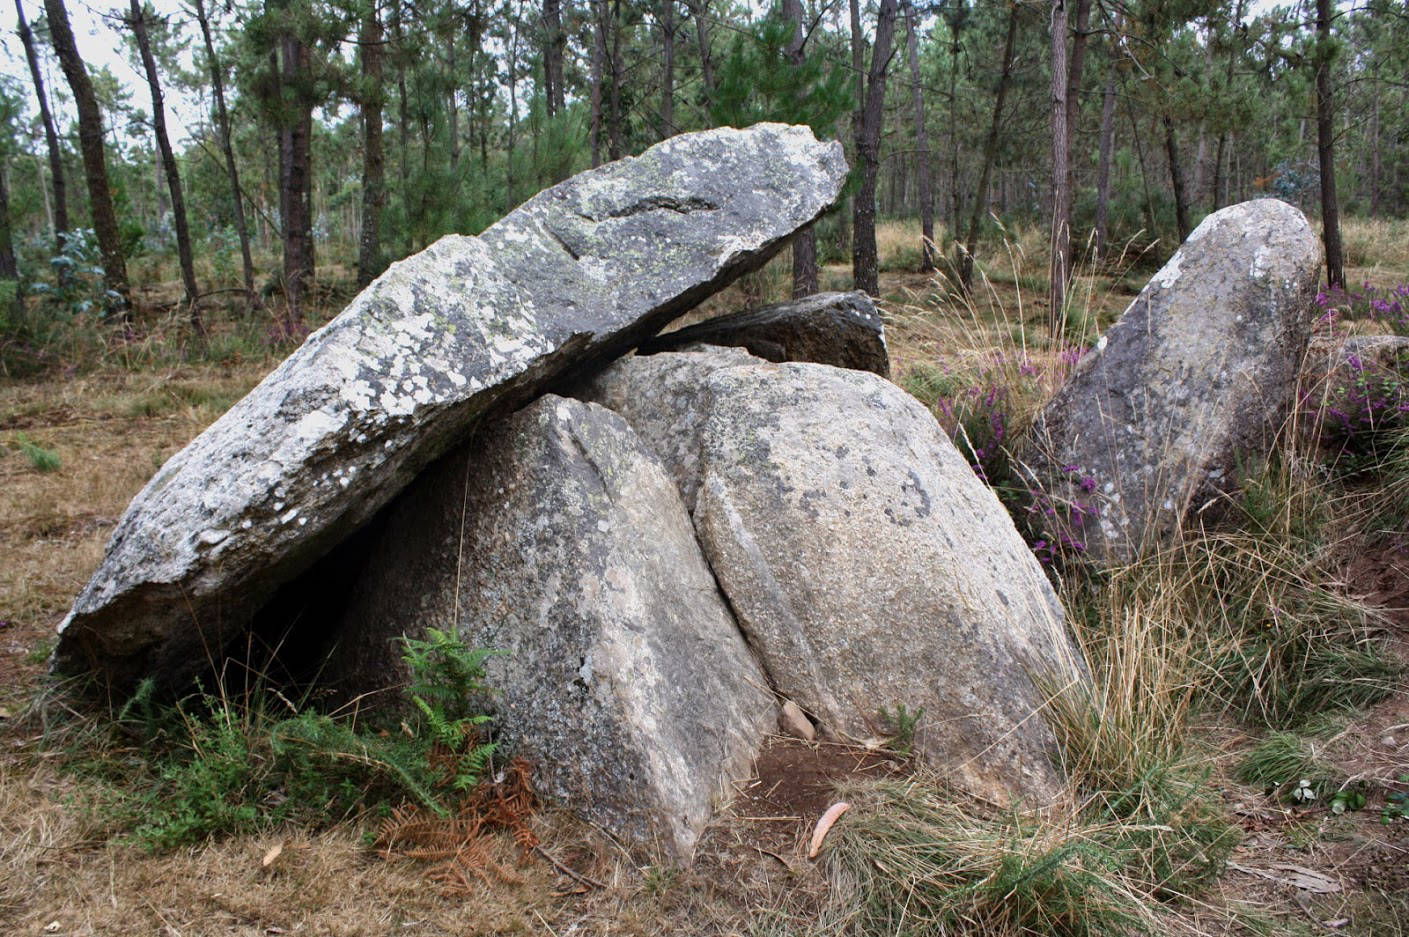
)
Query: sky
[{"x": 99, "y": 43}]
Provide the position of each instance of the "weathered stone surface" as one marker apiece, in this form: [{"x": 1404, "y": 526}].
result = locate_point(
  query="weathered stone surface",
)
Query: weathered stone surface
[
  {"x": 665, "y": 398},
  {"x": 1197, "y": 374},
  {"x": 869, "y": 567},
  {"x": 576, "y": 275},
  {"x": 841, "y": 329},
  {"x": 557, "y": 537}
]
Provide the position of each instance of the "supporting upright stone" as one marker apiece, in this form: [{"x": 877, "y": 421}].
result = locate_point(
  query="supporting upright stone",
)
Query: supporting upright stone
[{"x": 557, "y": 538}]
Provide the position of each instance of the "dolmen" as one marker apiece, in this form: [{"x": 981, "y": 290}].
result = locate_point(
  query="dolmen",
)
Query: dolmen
[{"x": 665, "y": 547}]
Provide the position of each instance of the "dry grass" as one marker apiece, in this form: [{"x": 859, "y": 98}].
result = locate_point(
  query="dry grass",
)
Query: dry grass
[{"x": 1379, "y": 245}]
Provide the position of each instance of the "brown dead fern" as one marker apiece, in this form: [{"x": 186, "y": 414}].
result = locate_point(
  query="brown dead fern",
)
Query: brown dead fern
[{"x": 458, "y": 844}]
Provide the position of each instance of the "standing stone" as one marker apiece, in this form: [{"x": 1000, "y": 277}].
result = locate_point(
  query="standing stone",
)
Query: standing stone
[
  {"x": 1194, "y": 379},
  {"x": 665, "y": 397},
  {"x": 871, "y": 569},
  {"x": 557, "y": 538},
  {"x": 576, "y": 275},
  {"x": 840, "y": 329}
]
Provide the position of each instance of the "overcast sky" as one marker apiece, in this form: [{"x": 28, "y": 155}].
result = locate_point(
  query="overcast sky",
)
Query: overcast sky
[{"x": 100, "y": 44}]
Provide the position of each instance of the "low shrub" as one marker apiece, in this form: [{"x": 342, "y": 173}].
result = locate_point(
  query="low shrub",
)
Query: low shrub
[{"x": 226, "y": 765}]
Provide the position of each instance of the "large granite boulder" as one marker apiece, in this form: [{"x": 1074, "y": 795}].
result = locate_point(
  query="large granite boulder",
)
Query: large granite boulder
[
  {"x": 575, "y": 276},
  {"x": 1195, "y": 378},
  {"x": 867, "y": 564},
  {"x": 557, "y": 537},
  {"x": 841, "y": 329},
  {"x": 665, "y": 398}
]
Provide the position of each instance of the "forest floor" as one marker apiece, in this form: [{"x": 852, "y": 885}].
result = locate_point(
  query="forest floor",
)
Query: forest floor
[{"x": 66, "y": 867}]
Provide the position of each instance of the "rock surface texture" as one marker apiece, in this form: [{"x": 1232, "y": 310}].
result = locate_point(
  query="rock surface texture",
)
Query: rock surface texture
[
  {"x": 575, "y": 276},
  {"x": 1196, "y": 374},
  {"x": 557, "y": 537},
  {"x": 870, "y": 568},
  {"x": 841, "y": 329},
  {"x": 665, "y": 397}
]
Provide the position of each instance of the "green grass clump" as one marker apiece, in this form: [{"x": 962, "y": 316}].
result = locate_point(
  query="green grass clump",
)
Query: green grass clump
[
  {"x": 228, "y": 765},
  {"x": 43, "y": 460},
  {"x": 1282, "y": 761}
]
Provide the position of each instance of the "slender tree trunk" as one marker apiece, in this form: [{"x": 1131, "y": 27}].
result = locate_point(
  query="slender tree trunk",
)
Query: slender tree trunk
[
  {"x": 295, "y": 181},
  {"x": 667, "y": 79},
  {"x": 95, "y": 168},
  {"x": 1149, "y": 204},
  {"x": 1325, "y": 147},
  {"x": 1073, "y": 102},
  {"x": 699, "y": 9},
  {"x": 1176, "y": 177},
  {"x": 990, "y": 154},
  {"x": 864, "y": 262},
  {"x": 1220, "y": 176},
  {"x": 369, "y": 242},
  {"x": 512, "y": 135},
  {"x": 806, "y": 278},
  {"x": 858, "y": 59},
  {"x": 554, "y": 42},
  {"x": 9, "y": 269},
  {"x": 173, "y": 173},
  {"x": 615, "y": 137},
  {"x": 51, "y": 136},
  {"x": 922, "y": 141},
  {"x": 453, "y": 110},
  {"x": 1103, "y": 165},
  {"x": 599, "y": 55},
  {"x": 44, "y": 188},
  {"x": 1061, "y": 191},
  {"x": 954, "y": 187}
]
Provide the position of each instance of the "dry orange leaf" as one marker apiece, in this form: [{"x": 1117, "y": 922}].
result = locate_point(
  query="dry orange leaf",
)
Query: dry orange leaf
[{"x": 819, "y": 833}]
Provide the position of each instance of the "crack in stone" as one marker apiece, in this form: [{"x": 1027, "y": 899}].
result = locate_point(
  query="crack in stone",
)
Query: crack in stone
[{"x": 681, "y": 206}]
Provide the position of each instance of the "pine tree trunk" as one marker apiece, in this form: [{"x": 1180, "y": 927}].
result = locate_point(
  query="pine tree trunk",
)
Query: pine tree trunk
[
  {"x": 667, "y": 80},
  {"x": 615, "y": 137},
  {"x": 990, "y": 155},
  {"x": 51, "y": 136},
  {"x": 1060, "y": 241},
  {"x": 922, "y": 142},
  {"x": 699, "y": 9},
  {"x": 9, "y": 269},
  {"x": 1073, "y": 105},
  {"x": 599, "y": 55},
  {"x": 554, "y": 42},
  {"x": 173, "y": 173},
  {"x": 295, "y": 183},
  {"x": 806, "y": 277},
  {"x": 1176, "y": 177},
  {"x": 864, "y": 261},
  {"x": 453, "y": 110},
  {"x": 369, "y": 242},
  {"x": 1103, "y": 165},
  {"x": 95, "y": 168},
  {"x": 1325, "y": 148}
]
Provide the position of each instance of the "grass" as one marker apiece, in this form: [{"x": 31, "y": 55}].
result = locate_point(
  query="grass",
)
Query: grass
[
  {"x": 1280, "y": 762},
  {"x": 42, "y": 460}
]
